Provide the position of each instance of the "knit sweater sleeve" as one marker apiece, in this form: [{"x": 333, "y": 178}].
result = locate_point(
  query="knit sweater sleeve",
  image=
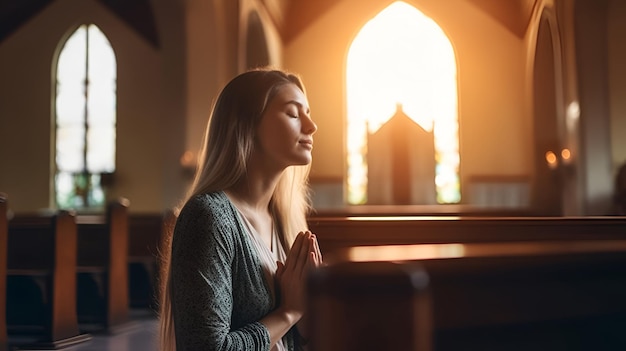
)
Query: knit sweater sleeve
[{"x": 203, "y": 251}]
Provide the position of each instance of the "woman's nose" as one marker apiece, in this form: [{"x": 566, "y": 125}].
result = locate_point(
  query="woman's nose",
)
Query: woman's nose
[{"x": 309, "y": 127}]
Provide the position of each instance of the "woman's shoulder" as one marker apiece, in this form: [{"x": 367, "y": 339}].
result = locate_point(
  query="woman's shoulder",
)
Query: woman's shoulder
[
  {"x": 206, "y": 213},
  {"x": 207, "y": 202},
  {"x": 213, "y": 206}
]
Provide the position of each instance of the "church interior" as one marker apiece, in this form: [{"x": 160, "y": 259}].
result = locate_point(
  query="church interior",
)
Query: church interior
[{"x": 479, "y": 139}]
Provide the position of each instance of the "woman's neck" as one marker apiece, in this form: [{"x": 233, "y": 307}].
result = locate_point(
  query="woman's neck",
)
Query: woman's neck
[
  {"x": 249, "y": 200},
  {"x": 253, "y": 193},
  {"x": 252, "y": 197}
]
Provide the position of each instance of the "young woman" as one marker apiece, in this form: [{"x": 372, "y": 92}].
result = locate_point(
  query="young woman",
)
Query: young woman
[{"x": 235, "y": 276}]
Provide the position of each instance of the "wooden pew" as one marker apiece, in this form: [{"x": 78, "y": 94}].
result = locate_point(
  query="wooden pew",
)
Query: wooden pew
[
  {"x": 103, "y": 269},
  {"x": 4, "y": 233},
  {"x": 145, "y": 235},
  {"x": 336, "y": 233},
  {"x": 422, "y": 210},
  {"x": 542, "y": 295},
  {"x": 42, "y": 251},
  {"x": 346, "y": 313}
]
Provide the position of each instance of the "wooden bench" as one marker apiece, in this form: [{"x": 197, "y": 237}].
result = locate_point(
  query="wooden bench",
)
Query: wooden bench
[
  {"x": 102, "y": 268},
  {"x": 541, "y": 295},
  {"x": 369, "y": 306},
  {"x": 423, "y": 210},
  {"x": 336, "y": 233},
  {"x": 42, "y": 256},
  {"x": 145, "y": 236}
]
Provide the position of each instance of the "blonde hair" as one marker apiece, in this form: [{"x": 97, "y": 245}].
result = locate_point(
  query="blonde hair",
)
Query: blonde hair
[{"x": 228, "y": 143}]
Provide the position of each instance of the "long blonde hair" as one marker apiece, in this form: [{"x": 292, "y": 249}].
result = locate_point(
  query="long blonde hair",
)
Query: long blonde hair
[{"x": 228, "y": 143}]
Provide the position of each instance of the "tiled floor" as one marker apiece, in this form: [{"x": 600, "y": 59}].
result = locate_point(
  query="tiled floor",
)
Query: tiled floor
[
  {"x": 139, "y": 335},
  {"x": 139, "y": 338}
]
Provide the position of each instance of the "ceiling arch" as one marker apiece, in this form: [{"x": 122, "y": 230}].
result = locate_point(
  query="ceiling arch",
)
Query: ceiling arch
[
  {"x": 138, "y": 14},
  {"x": 514, "y": 15}
]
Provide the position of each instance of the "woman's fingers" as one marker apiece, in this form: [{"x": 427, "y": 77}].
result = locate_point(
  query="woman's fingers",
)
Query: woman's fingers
[
  {"x": 295, "y": 250},
  {"x": 317, "y": 251},
  {"x": 280, "y": 269},
  {"x": 303, "y": 255},
  {"x": 313, "y": 262},
  {"x": 304, "y": 250}
]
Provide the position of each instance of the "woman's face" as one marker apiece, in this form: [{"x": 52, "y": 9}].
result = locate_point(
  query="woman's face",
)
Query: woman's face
[{"x": 285, "y": 134}]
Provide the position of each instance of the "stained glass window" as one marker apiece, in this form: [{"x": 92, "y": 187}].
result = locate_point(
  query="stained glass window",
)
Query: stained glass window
[
  {"x": 85, "y": 118},
  {"x": 402, "y": 57}
]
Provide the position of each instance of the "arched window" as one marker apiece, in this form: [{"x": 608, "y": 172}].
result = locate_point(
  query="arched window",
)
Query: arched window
[
  {"x": 85, "y": 115},
  {"x": 402, "y": 58}
]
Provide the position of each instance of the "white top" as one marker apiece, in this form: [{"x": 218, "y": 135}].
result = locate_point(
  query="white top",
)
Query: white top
[{"x": 268, "y": 257}]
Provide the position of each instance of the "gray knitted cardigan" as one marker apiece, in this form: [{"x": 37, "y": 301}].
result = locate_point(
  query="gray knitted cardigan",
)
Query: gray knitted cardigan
[{"x": 219, "y": 292}]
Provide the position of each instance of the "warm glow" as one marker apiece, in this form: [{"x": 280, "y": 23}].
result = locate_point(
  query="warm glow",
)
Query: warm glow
[
  {"x": 456, "y": 250},
  {"x": 566, "y": 155},
  {"x": 402, "y": 56},
  {"x": 402, "y": 218},
  {"x": 188, "y": 159},
  {"x": 572, "y": 115},
  {"x": 551, "y": 159},
  {"x": 405, "y": 252}
]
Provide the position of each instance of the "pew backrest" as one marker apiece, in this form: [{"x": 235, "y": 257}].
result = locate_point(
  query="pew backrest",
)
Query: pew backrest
[
  {"x": 544, "y": 295},
  {"x": 146, "y": 232},
  {"x": 103, "y": 249},
  {"x": 102, "y": 236},
  {"x": 369, "y": 306},
  {"x": 42, "y": 242},
  {"x": 340, "y": 232},
  {"x": 44, "y": 245}
]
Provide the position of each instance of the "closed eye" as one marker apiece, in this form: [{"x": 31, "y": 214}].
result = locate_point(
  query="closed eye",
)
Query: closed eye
[{"x": 299, "y": 108}]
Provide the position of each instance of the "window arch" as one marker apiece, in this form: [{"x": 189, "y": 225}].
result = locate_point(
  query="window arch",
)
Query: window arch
[
  {"x": 85, "y": 118},
  {"x": 402, "y": 57}
]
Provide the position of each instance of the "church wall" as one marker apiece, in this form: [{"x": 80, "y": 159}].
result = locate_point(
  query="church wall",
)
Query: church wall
[
  {"x": 143, "y": 106},
  {"x": 170, "y": 19},
  {"x": 617, "y": 79},
  {"x": 203, "y": 25},
  {"x": 165, "y": 93},
  {"x": 494, "y": 136},
  {"x": 271, "y": 34},
  {"x": 592, "y": 62}
]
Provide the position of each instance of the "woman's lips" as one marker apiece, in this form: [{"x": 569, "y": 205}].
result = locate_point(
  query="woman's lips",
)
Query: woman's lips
[{"x": 306, "y": 143}]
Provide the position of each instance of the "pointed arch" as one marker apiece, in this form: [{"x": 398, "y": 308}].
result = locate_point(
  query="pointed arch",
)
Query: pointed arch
[
  {"x": 257, "y": 54},
  {"x": 85, "y": 118},
  {"x": 402, "y": 56}
]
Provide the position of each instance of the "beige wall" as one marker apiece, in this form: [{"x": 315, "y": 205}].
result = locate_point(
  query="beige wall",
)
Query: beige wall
[
  {"x": 147, "y": 94},
  {"x": 495, "y": 138},
  {"x": 202, "y": 30},
  {"x": 617, "y": 79}
]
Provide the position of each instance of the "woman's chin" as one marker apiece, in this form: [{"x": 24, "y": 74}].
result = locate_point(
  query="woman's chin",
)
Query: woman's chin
[{"x": 303, "y": 161}]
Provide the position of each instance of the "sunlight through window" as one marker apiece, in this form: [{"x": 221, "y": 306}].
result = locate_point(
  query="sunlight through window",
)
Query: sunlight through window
[
  {"x": 402, "y": 57},
  {"x": 85, "y": 118}
]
